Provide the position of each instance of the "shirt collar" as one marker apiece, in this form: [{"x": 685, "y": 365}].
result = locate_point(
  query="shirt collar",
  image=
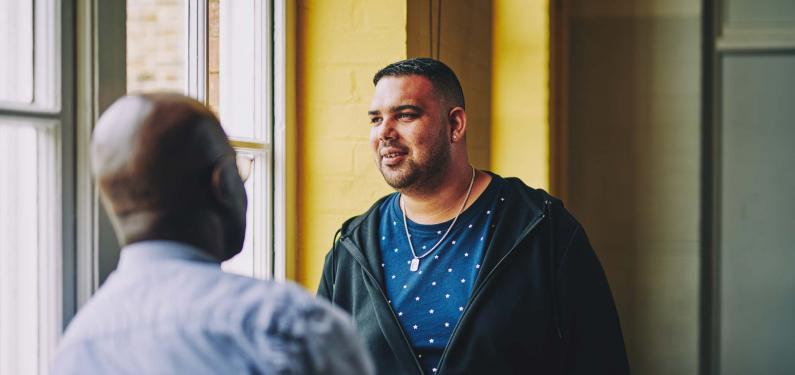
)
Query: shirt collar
[{"x": 148, "y": 252}]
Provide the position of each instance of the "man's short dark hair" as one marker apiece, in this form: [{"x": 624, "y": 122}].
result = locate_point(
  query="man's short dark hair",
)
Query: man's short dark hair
[{"x": 441, "y": 76}]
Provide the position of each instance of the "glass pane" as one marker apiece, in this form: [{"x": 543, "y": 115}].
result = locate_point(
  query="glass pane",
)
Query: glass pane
[
  {"x": 155, "y": 45},
  {"x": 16, "y": 44},
  {"x": 29, "y": 247},
  {"x": 245, "y": 263},
  {"x": 213, "y": 54},
  {"x": 757, "y": 241},
  {"x": 233, "y": 80},
  {"x": 740, "y": 12}
]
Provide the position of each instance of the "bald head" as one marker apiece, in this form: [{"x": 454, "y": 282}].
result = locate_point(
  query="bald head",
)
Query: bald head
[{"x": 166, "y": 171}]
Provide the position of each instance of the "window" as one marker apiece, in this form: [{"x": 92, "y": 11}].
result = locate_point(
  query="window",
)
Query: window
[
  {"x": 34, "y": 184},
  {"x": 220, "y": 52}
]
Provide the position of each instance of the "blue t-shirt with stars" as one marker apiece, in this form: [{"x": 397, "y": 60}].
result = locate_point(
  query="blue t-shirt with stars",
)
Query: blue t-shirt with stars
[{"x": 430, "y": 301}]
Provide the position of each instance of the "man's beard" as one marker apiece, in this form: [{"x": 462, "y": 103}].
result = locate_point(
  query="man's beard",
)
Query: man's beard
[{"x": 413, "y": 176}]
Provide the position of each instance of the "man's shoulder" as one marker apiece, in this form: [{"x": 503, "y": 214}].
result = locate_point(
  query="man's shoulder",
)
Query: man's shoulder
[
  {"x": 516, "y": 188},
  {"x": 354, "y": 222}
]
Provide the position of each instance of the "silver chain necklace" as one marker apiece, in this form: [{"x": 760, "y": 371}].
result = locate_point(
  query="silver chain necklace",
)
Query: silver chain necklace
[{"x": 415, "y": 260}]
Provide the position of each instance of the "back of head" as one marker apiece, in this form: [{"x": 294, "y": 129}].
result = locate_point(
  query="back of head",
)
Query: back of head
[
  {"x": 166, "y": 171},
  {"x": 441, "y": 76}
]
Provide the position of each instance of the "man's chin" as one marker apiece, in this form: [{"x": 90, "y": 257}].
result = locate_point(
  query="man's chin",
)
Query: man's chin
[{"x": 396, "y": 178}]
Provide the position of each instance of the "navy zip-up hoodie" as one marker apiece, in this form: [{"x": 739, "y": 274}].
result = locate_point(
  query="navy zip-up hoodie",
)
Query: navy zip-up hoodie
[{"x": 540, "y": 304}]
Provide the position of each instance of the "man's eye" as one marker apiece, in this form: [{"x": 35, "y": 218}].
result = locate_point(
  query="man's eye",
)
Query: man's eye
[
  {"x": 407, "y": 116},
  {"x": 374, "y": 120}
]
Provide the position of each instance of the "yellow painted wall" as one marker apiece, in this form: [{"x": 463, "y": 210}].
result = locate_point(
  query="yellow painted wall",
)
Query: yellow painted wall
[
  {"x": 340, "y": 45},
  {"x": 446, "y": 32},
  {"x": 520, "y": 91}
]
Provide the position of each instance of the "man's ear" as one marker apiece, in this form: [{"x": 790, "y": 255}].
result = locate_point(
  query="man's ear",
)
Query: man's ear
[
  {"x": 225, "y": 181},
  {"x": 457, "y": 119}
]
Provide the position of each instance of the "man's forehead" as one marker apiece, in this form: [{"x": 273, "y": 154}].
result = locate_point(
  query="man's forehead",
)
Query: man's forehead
[{"x": 392, "y": 92}]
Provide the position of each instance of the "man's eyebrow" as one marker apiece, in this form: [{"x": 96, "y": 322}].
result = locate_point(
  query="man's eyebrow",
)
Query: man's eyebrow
[
  {"x": 405, "y": 107},
  {"x": 399, "y": 108}
]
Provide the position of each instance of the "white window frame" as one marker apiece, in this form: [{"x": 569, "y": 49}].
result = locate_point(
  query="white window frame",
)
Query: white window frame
[
  {"x": 50, "y": 112},
  {"x": 267, "y": 77}
]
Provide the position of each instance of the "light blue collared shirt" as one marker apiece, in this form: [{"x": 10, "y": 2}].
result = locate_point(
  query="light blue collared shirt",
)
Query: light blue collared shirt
[{"x": 169, "y": 309}]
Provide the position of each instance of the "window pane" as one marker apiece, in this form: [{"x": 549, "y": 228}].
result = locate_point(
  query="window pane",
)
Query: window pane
[
  {"x": 213, "y": 52},
  {"x": 16, "y": 45},
  {"x": 755, "y": 12},
  {"x": 29, "y": 247},
  {"x": 233, "y": 45},
  {"x": 254, "y": 259},
  {"x": 155, "y": 45}
]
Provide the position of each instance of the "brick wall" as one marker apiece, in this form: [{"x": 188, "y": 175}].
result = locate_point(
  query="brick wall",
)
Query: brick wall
[
  {"x": 341, "y": 44},
  {"x": 155, "y": 45}
]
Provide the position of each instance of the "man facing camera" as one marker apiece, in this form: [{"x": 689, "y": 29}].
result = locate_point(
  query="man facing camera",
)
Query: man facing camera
[
  {"x": 169, "y": 181},
  {"x": 462, "y": 271}
]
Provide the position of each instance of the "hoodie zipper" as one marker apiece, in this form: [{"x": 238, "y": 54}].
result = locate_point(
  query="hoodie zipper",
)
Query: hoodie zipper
[
  {"x": 386, "y": 300},
  {"x": 477, "y": 294}
]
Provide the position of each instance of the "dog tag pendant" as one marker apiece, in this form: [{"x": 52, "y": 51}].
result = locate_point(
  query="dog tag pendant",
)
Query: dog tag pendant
[{"x": 415, "y": 265}]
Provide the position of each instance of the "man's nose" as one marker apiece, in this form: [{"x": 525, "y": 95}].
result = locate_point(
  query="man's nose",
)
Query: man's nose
[{"x": 387, "y": 130}]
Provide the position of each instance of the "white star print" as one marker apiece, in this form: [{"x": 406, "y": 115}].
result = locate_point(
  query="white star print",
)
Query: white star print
[
  {"x": 460, "y": 308},
  {"x": 419, "y": 356},
  {"x": 400, "y": 313},
  {"x": 433, "y": 283},
  {"x": 415, "y": 326},
  {"x": 502, "y": 199},
  {"x": 453, "y": 242},
  {"x": 466, "y": 254},
  {"x": 449, "y": 270},
  {"x": 383, "y": 238},
  {"x": 446, "y": 296},
  {"x": 423, "y": 246},
  {"x": 404, "y": 286},
  {"x": 396, "y": 249},
  {"x": 394, "y": 223},
  {"x": 417, "y": 298},
  {"x": 420, "y": 272},
  {"x": 481, "y": 238},
  {"x": 488, "y": 212},
  {"x": 382, "y": 265},
  {"x": 463, "y": 280},
  {"x": 430, "y": 341},
  {"x": 434, "y": 369},
  {"x": 436, "y": 257},
  {"x": 446, "y": 324},
  {"x": 408, "y": 262},
  {"x": 393, "y": 276},
  {"x": 438, "y": 232},
  {"x": 470, "y": 225},
  {"x": 430, "y": 311},
  {"x": 477, "y": 266}
]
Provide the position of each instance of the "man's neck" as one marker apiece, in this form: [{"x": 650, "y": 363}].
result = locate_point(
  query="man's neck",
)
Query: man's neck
[
  {"x": 443, "y": 202},
  {"x": 199, "y": 228}
]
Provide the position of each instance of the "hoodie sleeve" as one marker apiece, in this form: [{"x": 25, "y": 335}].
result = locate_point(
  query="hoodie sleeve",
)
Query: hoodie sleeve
[
  {"x": 592, "y": 339},
  {"x": 326, "y": 287}
]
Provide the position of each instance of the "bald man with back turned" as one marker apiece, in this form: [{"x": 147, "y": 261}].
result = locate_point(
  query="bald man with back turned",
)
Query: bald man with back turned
[{"x": 169, "y": 182}]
